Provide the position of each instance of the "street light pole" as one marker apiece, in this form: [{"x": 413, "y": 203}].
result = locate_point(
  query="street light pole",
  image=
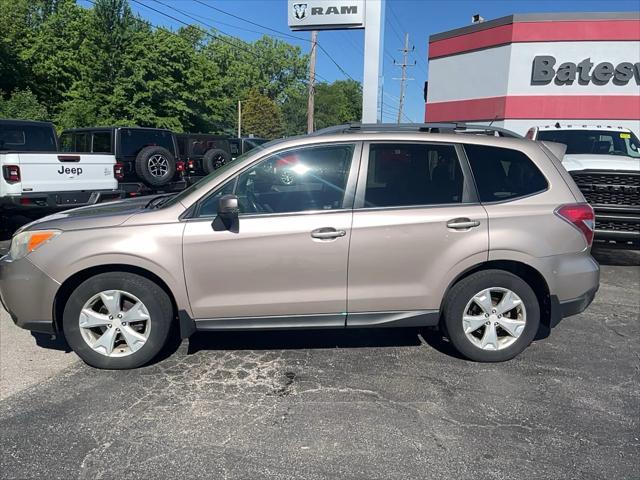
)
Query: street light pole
[{"x": 239, "y": 118}]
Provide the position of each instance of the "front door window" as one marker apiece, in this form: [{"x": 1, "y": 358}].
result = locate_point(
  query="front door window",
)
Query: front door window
[{"x": 293, "y": 181}]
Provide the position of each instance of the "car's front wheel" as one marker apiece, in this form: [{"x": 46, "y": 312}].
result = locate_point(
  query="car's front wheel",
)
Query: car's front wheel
[
  {"x": 491, "y": 316},
  {"x": 117, "y": 320}
]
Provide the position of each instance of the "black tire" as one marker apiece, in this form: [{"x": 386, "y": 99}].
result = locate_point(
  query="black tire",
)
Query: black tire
[
  {"x": 463, "y": 291},
  {"x": 144, "y": 169},
  {"x": 214, "y": 159},
  {"x": 154, "y": 298}
]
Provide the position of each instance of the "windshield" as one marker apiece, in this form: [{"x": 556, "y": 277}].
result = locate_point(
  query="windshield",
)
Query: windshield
[
  {"x": 27, "y": 138},
  {"x": 594, "y": 142}
]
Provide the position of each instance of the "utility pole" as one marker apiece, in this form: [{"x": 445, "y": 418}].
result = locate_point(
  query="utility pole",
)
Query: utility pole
[
  {"x": 239, "y": 118},
  {"x": 312, "y": 81},
  {"x": 403, "y": 79}
]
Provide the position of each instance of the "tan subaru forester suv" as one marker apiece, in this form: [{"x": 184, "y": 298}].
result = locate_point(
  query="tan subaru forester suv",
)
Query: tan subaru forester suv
[{"x": 463, "y": 227}]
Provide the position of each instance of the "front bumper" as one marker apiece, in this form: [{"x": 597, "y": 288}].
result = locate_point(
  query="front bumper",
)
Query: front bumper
[{"x": 27, "y": 293}]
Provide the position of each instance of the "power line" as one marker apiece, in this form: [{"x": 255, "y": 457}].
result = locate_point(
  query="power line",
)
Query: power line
[
  {"x": 251, "y": 22},
  {"x": 401, "y": 26},
  {"x": 320, "y": 46},
  {"x": 396, "y": 99},
  {"x": 216, "y": 37}
]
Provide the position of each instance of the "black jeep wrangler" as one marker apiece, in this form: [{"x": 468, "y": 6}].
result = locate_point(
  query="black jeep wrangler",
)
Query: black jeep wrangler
[
  {"x": 146, "y": 154},
  {"x": 203, "y": 153}
]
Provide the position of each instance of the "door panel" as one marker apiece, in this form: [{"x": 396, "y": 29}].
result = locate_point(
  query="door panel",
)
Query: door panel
[
  {"x": 416, "y": 226},
  {"x": 404, "y": 259},
  {"x": 273, "y": 266},
  {"x": 290, "y": 255}
]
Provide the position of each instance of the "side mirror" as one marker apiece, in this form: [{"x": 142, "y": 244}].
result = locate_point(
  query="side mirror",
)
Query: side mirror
[
  {"x": 228, "y": 210},
  {"x": 228, "y": 205}
]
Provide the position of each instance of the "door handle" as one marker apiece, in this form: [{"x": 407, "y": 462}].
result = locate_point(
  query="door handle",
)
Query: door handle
[
  {"x": 327, "y": 233},
  {"x": 462, "y": 223}
]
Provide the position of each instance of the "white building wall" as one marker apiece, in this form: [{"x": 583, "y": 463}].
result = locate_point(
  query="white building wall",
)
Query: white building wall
[{"x": 480, "y": 74}]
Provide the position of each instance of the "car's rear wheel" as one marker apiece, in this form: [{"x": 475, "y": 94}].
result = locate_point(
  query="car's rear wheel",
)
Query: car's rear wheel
[
  {"x": 491, "y": 316},
  {"x": 117, "y": 320}
]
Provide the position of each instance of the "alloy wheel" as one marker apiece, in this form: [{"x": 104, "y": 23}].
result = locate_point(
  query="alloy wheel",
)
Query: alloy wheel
[
  {"x": 158, "y": 165},
  {"x": 494, "y": 318},
  {"x": 115, "y": 323}
]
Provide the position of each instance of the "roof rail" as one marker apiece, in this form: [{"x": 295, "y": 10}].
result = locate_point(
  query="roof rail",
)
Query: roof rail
[{"x": 451, "y": 127}]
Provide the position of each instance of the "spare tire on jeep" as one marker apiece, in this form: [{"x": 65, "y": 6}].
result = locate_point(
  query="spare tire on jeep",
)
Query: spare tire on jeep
[
  {"x": 214, "y": 159},
  {"x": 155, "y": 165}
]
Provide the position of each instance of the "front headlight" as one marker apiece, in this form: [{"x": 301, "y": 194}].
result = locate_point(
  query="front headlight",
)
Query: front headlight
[{"x": 24, "y": 243}]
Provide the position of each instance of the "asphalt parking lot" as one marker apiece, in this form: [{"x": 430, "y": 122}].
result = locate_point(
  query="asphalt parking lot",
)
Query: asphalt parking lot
[{"x": 319, "y": 404}]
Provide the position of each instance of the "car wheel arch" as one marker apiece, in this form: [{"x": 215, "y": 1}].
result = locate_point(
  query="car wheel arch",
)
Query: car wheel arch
[
  {"x": 72, "y": 282},
  {"x": 530, "y": 275}
]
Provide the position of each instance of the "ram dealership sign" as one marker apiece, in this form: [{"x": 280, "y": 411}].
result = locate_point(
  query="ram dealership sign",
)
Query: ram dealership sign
[
  {"x": 544, "y": 71},
  {"x": 325, "y": 14}
]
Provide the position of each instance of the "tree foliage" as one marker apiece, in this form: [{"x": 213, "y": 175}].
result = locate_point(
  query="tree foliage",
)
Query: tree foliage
[
  {"x": 106, "y": 66},
  {"x": 261, "y": 116},
  {"x": 22, "y": 105}
]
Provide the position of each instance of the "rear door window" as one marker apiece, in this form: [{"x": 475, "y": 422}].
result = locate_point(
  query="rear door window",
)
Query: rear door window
[
  {"x": 412, "y": 174},
  {"x": 503, "y": 173}
]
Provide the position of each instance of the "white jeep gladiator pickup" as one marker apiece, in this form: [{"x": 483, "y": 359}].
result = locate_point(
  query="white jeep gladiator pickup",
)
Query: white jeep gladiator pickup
[
  {"x": 604, "y": 161},
  {"x": 37, "y": 179}
]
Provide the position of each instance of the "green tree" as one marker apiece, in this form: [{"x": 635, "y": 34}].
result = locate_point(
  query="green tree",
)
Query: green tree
[
  {"x": 270, "y": 66},
  {"x": 105, "y": 65},
  {"x": 24, "y": 105},
  {"x": 337, "y": 103},
  {"x": 111, "y": 30},
  {"x": 161, "y": 83},
  {"x": 52, "y": 53},
  {"x": 261, "y": 116},
  {"x": 294, "y": 110}
]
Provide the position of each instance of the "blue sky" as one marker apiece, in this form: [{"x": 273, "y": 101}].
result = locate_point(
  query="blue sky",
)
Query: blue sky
[{"x": 420, "y": 18}]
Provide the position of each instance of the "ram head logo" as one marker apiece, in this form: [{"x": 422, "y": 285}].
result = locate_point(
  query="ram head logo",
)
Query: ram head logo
[{"x": 300, "y": 10}]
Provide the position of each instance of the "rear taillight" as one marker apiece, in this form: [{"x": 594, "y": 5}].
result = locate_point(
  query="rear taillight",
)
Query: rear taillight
[
  {"x": 118, "y": 171},
  {"x": 11, "y": 173},
  {"x": 179, "y": 166},
  {"x": 581, "y": 216},
  {"x": 191, "y": 165}
]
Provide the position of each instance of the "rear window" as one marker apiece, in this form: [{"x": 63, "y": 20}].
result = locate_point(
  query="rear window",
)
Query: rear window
[
  {"x": 133, "y": 140},
  {"x": 31, "y": 138},
  {"x": 503, "y": 174}
]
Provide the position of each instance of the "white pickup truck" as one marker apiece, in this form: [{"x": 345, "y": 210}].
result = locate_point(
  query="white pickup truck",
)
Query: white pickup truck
[
  {"x": 36, "y": 178},
  {"x": 604, "y": 161}
]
